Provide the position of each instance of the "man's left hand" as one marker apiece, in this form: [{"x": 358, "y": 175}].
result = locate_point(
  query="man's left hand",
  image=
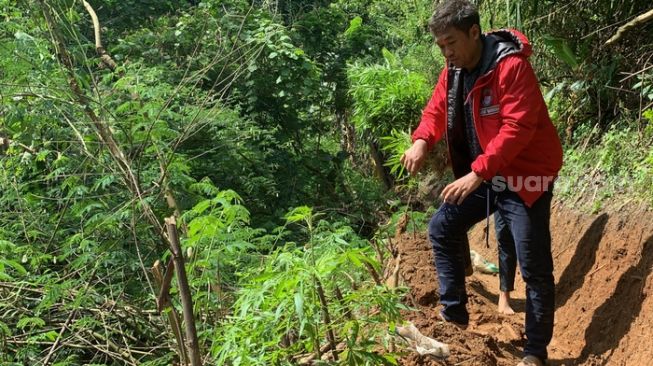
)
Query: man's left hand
[{"x": 456, "y": 192}]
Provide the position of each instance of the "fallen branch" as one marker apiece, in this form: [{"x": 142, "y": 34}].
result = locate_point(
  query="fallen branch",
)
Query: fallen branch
[
  {"x": 72, "y": 315},
  {"x": 126, "y": 354},
  {"x": 639, "y": 20},
  {"x": 55, "y": 345},
  {"x": 307, "y": 359}
]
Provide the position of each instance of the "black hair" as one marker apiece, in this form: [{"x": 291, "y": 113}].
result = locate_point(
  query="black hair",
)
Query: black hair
[{"x": 460, "y": 14}]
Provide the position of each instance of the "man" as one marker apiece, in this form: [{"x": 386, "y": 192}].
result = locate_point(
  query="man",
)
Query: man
[{"x": 505, "y": 154}]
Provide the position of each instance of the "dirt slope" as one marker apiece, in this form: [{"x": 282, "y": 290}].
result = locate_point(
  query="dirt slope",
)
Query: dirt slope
[{"x": 604, "y": 314}]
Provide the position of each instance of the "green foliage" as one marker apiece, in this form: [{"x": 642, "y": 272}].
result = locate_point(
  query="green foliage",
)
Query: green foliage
[
  {"x": 237, "y": 110},
  {"x": 386, "y": 97},
  {"x": 218, "y": 95},
  {"x": 584, "y": 78},
  {"x": 560, "y": 47},
  {"x": 620, "y": 166},
  {"x": 278, "y": 312},
  {"x": 416, "y": 221},
  {"x": 644, "y": 85},
  {"x": 395, "y": 145}
]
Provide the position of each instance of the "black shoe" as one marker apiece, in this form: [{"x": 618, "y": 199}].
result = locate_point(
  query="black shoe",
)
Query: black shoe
[{"x": 460, "y": 326}]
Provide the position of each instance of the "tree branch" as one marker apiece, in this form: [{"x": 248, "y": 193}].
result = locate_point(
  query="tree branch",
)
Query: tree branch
[
  {"x": 104, "y": 56},
  {"x": 639, "y": 20},
  {"x": 173, "y": 316},
  {"x": 5, "y": 143}
]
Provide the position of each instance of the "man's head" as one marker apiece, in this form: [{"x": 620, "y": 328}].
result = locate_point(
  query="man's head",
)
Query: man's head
[{"x": 455, "y": 25}]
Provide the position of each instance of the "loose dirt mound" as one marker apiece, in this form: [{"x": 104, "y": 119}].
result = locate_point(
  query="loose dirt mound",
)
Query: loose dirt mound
[{"x": 604, "y": 314}]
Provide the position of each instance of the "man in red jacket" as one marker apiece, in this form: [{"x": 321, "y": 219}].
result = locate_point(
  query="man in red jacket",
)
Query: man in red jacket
[{"x": 505, "y": 154}]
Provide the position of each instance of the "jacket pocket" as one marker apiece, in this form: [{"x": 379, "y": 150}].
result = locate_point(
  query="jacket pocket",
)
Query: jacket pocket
[{"x": 489, "y": 126}]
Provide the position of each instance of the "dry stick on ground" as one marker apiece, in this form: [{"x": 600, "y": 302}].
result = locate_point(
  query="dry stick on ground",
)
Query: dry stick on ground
[
  {"x": 72, "y": 315},
  {"x": 173, "y": 317},
  {"x": 307, "y": 359},
  {"x": 639, "y": 20},
  {"x": 57, "y": 341},
  {"x": 114, "y": 354},
  {"x": 114, "y": 347},
  {"x": 184, "y": 293}
]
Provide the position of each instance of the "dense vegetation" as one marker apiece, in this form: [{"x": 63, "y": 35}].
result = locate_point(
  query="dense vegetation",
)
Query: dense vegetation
[{"x": 271, "y": 131}]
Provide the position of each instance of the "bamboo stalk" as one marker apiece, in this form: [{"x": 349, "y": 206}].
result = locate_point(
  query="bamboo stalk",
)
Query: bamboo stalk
[
  {"x": 65, "y": 325},
  {"x": 115, "y": 347},
  {"x": 57, "y": 341},
  {"x": 101, "y": 128}
]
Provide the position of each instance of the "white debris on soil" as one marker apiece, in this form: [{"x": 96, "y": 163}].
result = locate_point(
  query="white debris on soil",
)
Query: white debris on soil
[{"x": 422, "y": 344}]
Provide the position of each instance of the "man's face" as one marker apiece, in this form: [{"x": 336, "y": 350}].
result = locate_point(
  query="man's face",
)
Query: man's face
[{"x": 460, "y": 48}]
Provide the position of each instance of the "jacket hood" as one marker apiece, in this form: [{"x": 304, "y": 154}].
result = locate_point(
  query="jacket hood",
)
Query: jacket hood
[
  {"x": 501, "y": 43},
  {"x": 514, "y": 37}
]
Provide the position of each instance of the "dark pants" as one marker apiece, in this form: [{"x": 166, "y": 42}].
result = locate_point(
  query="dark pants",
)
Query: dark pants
[
  {"x": 530, "y": 229},
  {"x": 507, "y": 254}
]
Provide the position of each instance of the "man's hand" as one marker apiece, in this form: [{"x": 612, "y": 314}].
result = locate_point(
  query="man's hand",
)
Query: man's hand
[
  {"x": 414, "y": 157},
  {"x": 456, "y": 192}
]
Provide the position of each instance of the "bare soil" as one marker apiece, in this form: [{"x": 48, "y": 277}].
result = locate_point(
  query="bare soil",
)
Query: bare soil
[{"x": 604, "y": 302}]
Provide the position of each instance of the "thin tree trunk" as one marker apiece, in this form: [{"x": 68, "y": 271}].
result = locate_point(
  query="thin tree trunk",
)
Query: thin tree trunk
[
  {"x": 379, "y": 165},
  {"x": 327, "y": 318},
  {"x": 173, "y": 317},
  {"x": 184, "y": 293}
]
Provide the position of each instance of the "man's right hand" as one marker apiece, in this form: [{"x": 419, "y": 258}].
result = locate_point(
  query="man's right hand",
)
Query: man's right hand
[{"x": 414, "y": 157}]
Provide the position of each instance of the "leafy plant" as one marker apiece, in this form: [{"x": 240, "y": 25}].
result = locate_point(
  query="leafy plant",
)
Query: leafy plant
[
  {"x": 386, "y": 97},
  {"x": 302, "y": 293}
]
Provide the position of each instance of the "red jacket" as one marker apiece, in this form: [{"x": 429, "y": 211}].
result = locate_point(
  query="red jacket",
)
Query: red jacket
[{"x": 511, "y": 120}]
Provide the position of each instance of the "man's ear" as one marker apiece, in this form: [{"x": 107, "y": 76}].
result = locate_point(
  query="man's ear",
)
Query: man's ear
[{"x": 475, "y": 32}]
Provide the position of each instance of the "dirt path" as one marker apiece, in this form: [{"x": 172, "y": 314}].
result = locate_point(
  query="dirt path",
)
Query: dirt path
[{"x": 604, "y": 314}]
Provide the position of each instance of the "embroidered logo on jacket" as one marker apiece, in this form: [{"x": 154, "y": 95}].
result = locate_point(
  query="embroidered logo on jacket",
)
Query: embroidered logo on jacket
[{"x": 486, "y": 104}]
